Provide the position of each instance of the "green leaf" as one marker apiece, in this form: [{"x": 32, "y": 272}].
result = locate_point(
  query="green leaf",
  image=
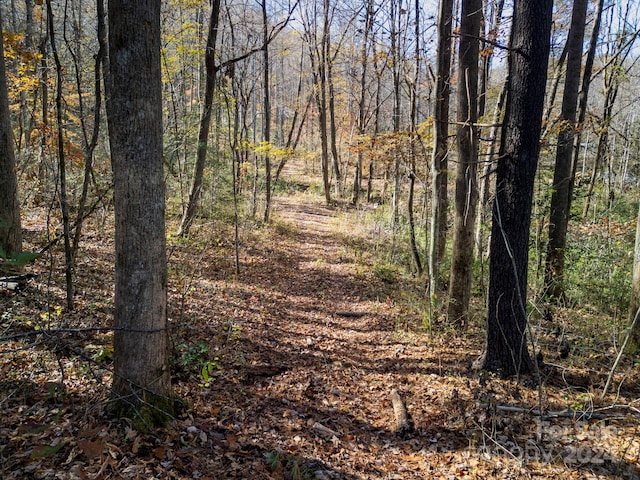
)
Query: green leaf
[
  {"x": 21, "y": 259},
  {"x": 47, "y": 450}
]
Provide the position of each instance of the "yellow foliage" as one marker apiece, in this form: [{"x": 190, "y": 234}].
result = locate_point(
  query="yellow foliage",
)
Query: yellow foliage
[{"x": 266, "y": 148}]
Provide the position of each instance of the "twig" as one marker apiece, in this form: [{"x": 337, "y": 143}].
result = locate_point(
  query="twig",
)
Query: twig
[
  {"x": 580, "y": 414},
  {"x": 620, "y": 353},
  {"x": 54, "y": 331}
]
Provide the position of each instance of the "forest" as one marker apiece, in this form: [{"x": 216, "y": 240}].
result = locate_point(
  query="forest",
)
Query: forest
[{"x": 319, "y": 239}]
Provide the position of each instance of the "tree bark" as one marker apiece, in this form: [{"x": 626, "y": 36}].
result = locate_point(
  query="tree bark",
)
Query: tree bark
[
  {"x": 466, "y": 193},
  {"x": 205, "y": 120},
  {"x": 364, "y": 64},
  {"x": 62, "y": 168},
  {"x": 396, "y": 28},
  {"x": 10, "y": 225},
  {"x": 415, "y": 253},
  {"x": 267, "y": 111},
  {"x": 507, "y": 350},
  {"x": 439, "y": 159},
  {"x": 494, "y": 13},
  {"x": 563, "y": 173},
  {"x": 634, "y": 303},
  {"x": 583, "y": 96},
  {"x": 92, "y": 142},
  {"x": 141, "y": 385}
]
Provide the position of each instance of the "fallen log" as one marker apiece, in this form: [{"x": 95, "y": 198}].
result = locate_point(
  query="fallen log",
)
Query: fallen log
[
  {"x": 16, "y": 282},
  {"x": 404, "y": 424},
  {"x": 351, "y": 314}
]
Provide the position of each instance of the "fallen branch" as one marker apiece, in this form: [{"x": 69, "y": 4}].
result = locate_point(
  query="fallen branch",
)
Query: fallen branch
[
  {"x": 325, "y": 431},
  {"x": 16, "y": 282},
  {"x": 578, "y": 414},
  {"x": 622, "y": 349},
  {"x": 404, "y": 424},
  {"x": 351, "y": 314}
]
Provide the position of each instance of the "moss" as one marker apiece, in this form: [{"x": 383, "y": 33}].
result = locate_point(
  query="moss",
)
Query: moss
[{"x": 150, "y": 410}]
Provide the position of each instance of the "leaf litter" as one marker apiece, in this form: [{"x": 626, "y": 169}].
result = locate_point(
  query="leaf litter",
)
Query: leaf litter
[{"x": 287, "y": 370}]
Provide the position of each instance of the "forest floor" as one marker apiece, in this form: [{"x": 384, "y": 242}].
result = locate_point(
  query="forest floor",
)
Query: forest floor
[{"x": 288, "y": 368}]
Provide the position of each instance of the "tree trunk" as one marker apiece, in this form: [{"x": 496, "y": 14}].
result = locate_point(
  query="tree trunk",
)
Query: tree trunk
[
  {"x": 614, "y": 72},
  {"x": 62, "y": 169},
  {"x": 91, "y": 144},
  {"x": 267, "y": 112},
  {"x": 415, "y": 253},
  {"x": 634, "y": 303},
  {"x": 487, "y": 169},
  {"x": 296, "y": 128},
  {"x": 562, "y": 176},
  {"x": 507, "y": 350},
  {"x": 364, "y": 63},
  {"x": 439, "y": 160},
  {"x": 493, "y": 10},
  {"x": 603, "y": 140},
  {"x": 551, "y": 98},
  {"x": 583, "y": 96},
  {"x": 10, "y": 226},
  {"x": 205, "y": 120},
  {"x": 141, "y": 384},
  {"x": 494, "y": 13},
  {"x": 395, "y": 20},
  {"x": 466, "y": 176},
  {"x": 333, "y": 140}
]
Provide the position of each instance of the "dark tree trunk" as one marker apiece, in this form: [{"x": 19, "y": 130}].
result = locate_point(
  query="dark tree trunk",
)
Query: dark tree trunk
[
  {"x": 62, "y": 168},
  {"x": 415, "y": 253},
  {"x": 507, "y": 350},
  {"x": 141, "y": 384},
  {"x": 267, "y": 111},
  {"x": 466, "y": 172},
  {"x": 369, "y": 15},
  {"x": 10, "y": 226},
  {"x": 439, "y": 159},
  {"x": 563, "y": 173},
  {"x": 90, "y": 144},
  {"x": 205, "y": 120},
  {"x": 583, "y": 96}
]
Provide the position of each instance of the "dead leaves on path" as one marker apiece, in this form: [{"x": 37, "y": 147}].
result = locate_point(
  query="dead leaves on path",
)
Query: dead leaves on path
[{"x": 302, "y": 350}]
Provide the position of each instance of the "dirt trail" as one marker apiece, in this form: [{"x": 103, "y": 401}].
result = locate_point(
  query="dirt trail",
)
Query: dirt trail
[
  {"x": 302, "y": 350},
  {"x": 319, "y": 344}
]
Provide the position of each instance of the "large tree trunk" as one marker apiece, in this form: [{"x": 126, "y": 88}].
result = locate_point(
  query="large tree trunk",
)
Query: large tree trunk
[
  {"x": 507, "y": 350},
  {"x": 563, "y": 173},
  {"x": 466, "y": 176},
  {"x": 10, "y": 226},
  {"x": 141, "y": 384},
  {"x": 439, "y": 161}
]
